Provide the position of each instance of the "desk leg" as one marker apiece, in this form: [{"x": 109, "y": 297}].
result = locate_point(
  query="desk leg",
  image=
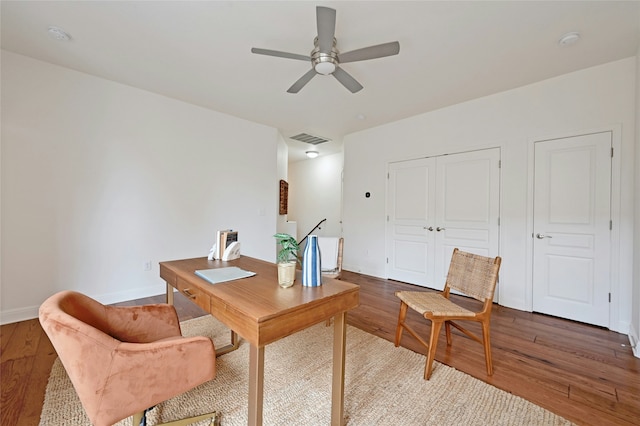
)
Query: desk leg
[
  {"x": 235, "y": 344},
  {"x": 256, "y": 384},
  {"x": 169, "y": 294},
  {"x": 337, "y": 387}
]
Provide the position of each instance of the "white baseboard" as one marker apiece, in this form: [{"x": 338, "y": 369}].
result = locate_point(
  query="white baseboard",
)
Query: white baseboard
[
  {"x": 363, "y": 271},
  {"x": 16, "y": 315}
]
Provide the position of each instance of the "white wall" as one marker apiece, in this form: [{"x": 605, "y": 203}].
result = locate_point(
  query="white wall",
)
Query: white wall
[
  {"x": 634, "y": 331},
  {"x": 593, "y": 99},
  {"x": 315, "y": 193},
  {"x": 99, "y": 178}
]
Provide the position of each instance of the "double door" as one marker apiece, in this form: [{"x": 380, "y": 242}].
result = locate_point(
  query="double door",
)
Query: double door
[{"x": 436, "y": 204}]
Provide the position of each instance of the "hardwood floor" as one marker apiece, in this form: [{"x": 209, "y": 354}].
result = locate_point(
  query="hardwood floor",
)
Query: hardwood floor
[{"x": 583, "y": 373}]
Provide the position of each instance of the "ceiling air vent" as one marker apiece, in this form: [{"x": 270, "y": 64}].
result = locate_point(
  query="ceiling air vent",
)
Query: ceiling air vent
[{"x": 310, "y": 139}]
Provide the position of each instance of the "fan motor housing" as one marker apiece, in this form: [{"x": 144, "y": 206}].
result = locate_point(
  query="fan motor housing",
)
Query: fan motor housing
[{"x": 324, "y": 63}]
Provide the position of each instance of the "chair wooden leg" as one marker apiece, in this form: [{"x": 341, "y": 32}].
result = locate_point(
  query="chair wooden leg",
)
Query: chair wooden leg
[
  {"x": 487, "y": 347},
  {"x": 433, "y": 344},
  {"x": 401, "y": 317},
  {"x": 447, "y": 330}
]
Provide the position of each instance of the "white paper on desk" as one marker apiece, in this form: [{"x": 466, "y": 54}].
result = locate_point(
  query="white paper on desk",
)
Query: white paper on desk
[{"x": 219, "y": 275}]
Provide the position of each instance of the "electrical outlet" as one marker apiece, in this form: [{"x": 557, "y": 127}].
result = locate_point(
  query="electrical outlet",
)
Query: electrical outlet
[{"x": 147, "y": 265}]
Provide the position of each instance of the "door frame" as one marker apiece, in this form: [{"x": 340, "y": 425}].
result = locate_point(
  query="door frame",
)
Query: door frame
[{"x": 614, "y": 273}]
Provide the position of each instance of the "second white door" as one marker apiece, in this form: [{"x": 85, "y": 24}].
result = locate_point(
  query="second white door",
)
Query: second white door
[{"x": 572, "y": 211}]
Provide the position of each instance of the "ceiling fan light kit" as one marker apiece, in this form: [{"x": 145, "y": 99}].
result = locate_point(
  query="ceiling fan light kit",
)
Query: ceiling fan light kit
[{"x": 325, "y": 58}]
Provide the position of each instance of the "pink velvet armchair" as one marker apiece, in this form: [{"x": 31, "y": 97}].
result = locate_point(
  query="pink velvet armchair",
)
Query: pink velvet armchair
[{"x": 123, "y": 360}]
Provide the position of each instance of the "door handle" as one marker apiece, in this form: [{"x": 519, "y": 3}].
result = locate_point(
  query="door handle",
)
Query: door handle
[
  {"x": 541, "y": 236},
  {"x": 428, "y": 229},
  {"x": 439, "y": 229}
]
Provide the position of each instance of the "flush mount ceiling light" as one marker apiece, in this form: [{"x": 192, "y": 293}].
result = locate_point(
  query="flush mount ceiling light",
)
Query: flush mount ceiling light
[
  {"x": 569, "y": 39},
  {"x": 58, "y": 34},
  {"x": 312, "y": 154}
]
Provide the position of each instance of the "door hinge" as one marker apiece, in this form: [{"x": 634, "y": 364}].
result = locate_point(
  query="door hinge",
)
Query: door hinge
[
  {"x": 610, "y": 225},
  {"x": 387, "y": 260},
  {"x": 499, "y": 164},
  {"x": 498, "y": 221},
  {"x": 387, "y": 175},
  {"x": 609, "y": 297},
  {"x": 611, "y": 152},
  {"x": 387, "y": 218}
]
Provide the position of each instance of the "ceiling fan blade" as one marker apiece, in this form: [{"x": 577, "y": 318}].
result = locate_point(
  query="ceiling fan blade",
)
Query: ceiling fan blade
[
  {"x": 326, "y": 19},
  {"x": 302, "y": 81},
  {"x": 371, "y": 52},
  {"x": 347, "y": 81},
  {"x": 280, "y": 54}
]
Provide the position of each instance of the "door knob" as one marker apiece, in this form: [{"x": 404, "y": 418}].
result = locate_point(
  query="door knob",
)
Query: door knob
[
  {"x": 439, "y": 229},
  {"x": 428, "y": 229},
  {"x": 541, "y": 236}
]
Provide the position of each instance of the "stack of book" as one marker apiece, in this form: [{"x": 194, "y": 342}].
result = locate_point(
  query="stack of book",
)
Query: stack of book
[{"x": 223, "y": 240}]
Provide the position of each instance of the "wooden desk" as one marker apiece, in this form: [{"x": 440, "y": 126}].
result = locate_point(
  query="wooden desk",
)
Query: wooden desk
[{"x": 261, "y": 312}]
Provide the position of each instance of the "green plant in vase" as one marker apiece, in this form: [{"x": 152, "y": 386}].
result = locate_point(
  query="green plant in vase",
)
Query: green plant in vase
[{"x": 287, "y": 259}]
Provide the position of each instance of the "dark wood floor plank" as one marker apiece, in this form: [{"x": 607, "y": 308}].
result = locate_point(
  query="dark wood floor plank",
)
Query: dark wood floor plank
[
  {"x": 28, "y": 333},
  {"x": 623, "y": 410},
  {"x": 37, "y": 384},
  {"x": 13, "y": 396},
  {"x": 629, "y": 397},
  {"x": 6, "y": 331}
]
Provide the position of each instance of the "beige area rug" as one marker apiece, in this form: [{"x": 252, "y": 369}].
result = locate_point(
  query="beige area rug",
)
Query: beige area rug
[{"x": 383, "y": 386}]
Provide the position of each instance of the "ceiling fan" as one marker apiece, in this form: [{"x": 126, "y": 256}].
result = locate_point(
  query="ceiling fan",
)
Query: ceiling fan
[{"x": 325, "y": 57}]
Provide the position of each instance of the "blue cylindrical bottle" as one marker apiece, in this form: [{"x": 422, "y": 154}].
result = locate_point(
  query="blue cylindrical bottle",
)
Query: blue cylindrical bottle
[{"x": 311, "y": 276}]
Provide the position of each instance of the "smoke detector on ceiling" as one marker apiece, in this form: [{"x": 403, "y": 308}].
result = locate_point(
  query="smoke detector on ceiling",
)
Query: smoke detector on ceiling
[
  {"x": 569, "y": 39},
  {"x": 58, "y": 34}
]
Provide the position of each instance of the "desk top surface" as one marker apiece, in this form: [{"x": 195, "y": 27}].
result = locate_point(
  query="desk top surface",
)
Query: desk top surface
[{"x": 259, "y": 300}]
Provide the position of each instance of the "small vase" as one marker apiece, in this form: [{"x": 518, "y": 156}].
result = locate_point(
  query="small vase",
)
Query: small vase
[
  {"x": 311, "y": 276},
  {"x": 286, "y": 274}
]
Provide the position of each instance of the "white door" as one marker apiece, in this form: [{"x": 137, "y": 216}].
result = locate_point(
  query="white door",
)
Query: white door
[
  {"x": 437, "y": 204},
  {"x": 571, "y": 234},
  {"x": 467, "y": 207},
  {"x": 410, "y": 220}
]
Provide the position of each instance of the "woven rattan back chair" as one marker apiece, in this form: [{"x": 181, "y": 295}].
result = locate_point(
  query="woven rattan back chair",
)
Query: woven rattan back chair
[{"x": 470, "y": 274}]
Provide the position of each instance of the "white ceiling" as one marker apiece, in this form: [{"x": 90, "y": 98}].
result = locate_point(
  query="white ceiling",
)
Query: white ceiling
[{"x": 199, "y": 52}]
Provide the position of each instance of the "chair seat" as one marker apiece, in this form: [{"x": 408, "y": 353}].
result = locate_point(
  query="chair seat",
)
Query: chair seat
[{"x": 435, "y": 303}]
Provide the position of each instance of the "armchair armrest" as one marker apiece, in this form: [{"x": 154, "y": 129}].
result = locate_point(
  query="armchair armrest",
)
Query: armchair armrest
[
  {"x": 169, "y": 367},
  {"x": 143, "y": 324}
]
